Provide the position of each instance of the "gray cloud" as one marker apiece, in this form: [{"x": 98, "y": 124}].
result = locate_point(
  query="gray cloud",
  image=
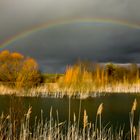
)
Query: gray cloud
[
  {"x": 63, "y": 45},
  {"x": 56, "y": 47},
  {"x": 18, "y": 15}
]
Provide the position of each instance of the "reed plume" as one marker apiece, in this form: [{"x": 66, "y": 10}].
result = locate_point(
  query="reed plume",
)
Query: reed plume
[
  {"x": 100, "y": 109},
  {"x": 29, "y": 113},
  {"x": 85, "y": 119},
  {"x": 99, "y": 113},
  {"x": 134, "y": 106}
]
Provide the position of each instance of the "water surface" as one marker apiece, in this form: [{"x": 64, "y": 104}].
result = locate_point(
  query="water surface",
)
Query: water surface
[{"x": 115, "y": 112}]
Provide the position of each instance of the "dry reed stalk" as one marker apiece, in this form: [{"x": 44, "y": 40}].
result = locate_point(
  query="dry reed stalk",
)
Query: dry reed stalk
[
  {"x": 134, "y": 132},
  {"x": 79, "y": 113},
  {"x": 131, "y": 114},
  {"x": 74, "y": 118},
  {"x": 99, "y": 113},
  {"x": 85, "y": 122},
  {"x": 29, "y": 113}
]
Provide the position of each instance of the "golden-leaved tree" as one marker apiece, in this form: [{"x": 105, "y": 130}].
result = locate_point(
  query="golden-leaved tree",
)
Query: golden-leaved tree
[{"x": 18, "y": 70}]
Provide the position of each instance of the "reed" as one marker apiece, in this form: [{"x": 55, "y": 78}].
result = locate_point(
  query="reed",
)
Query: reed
[
  {"x": 56, "y": 130},
  {"x": 81, "y": 91},
  {"x": 99, "y": 115},
  {"x": 131, "y": 114}
]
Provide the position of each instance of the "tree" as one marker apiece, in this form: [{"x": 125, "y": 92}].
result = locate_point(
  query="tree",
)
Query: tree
[
  {"x": 29, "y": 74},
  {"x": 18, "y": 70}
]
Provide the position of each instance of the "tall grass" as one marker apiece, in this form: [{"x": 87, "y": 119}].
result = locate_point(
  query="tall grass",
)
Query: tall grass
[{"x": 54, "y": 130}]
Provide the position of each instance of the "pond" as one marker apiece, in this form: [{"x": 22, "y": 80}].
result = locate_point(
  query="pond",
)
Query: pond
[{"x": 116, "y": 108}]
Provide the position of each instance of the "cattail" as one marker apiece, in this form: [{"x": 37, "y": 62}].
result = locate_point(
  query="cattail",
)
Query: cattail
[
  {"x": 85, "y": 120},
  {"x": 134, "y": 106},
  {"x": 100, "y": 109}
]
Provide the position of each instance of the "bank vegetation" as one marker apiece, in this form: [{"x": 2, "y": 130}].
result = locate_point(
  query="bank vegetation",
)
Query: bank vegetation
[{"x": 21, "y": 75}]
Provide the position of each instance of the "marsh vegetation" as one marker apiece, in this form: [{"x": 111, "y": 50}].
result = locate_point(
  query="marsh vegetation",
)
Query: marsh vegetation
[{"x": 20, "y": 75}]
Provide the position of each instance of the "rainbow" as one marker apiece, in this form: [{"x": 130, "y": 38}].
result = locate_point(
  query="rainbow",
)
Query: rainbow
[{"x": 63, "y": 22}]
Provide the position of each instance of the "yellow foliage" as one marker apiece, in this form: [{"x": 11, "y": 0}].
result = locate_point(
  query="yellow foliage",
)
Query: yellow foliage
[
  {"x": 75, "y": 74},
  {"x": 28, "y": 75},
  {"x": 72, "y": 74},
  {"x": 17, "y": 69},
  {"x": 86, "y": 77},
  {"x": 16, "y": 55},
  {"x": 68, "y": 75},
  {"x": 4, "y": 53}
]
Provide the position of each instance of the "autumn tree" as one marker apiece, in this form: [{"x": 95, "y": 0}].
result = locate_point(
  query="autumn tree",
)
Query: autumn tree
[
  {"x": 18, "y": 70},
  {"x": 29, "y": 74}
]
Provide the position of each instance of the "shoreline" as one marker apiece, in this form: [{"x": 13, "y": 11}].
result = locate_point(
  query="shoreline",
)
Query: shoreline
[{"x": 44, "y": 92}]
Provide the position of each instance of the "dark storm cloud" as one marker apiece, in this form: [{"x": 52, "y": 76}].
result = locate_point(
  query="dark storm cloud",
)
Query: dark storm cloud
[
  {"x": 60, "y": 46},
  {"x": 18, "y": 15},
  {"x": 56, "y": 47}
]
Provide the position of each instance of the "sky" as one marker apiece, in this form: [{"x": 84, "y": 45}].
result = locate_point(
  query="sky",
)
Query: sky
[{"x": 56, "y": 47}]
